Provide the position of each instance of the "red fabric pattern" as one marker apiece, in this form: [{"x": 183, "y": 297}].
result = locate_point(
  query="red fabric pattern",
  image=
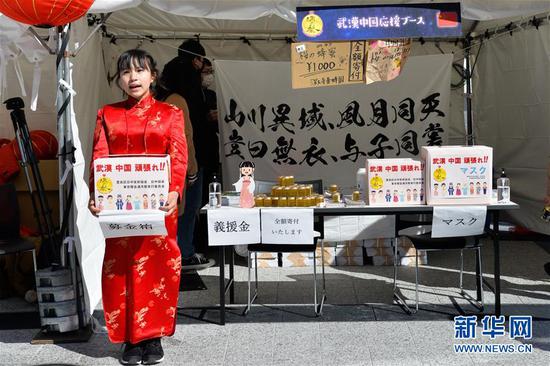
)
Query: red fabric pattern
[{"x": 140, "y": 278}]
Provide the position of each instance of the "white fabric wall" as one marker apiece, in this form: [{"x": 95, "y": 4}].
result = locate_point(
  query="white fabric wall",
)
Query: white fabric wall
[{"x": 511, "y": 111}]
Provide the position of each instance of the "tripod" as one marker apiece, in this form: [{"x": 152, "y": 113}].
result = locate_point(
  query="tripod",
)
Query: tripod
[{"x": 49, "y": 252}]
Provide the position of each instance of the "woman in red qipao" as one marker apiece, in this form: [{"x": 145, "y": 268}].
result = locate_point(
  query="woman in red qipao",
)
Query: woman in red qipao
[{"x": 140, "y": 279}]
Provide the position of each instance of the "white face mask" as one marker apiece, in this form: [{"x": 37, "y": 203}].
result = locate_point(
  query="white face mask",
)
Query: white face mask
[{"x": 207, "y": 80}]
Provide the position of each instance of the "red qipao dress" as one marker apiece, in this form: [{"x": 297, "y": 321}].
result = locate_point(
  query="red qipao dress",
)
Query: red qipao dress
[{"x": 141, "y": 274}]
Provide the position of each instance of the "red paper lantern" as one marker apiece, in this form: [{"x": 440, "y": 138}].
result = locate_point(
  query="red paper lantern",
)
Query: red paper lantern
[
  {"x": 45, "y": 13},
  {"x": 44, "y": 145}
]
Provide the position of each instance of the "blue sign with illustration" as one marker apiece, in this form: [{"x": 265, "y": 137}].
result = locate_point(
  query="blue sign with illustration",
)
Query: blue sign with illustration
[{"x": 346, "y": 23}]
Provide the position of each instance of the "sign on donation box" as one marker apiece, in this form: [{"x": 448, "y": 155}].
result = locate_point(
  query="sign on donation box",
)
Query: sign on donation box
[
  {"x": 395, "y": 182},
  {"x": 130, "y": 190},
  {"x": 287, "y": 226},
  {"x": 452, "y": 221},
  {"x": 233, "y": 226},
  {"x": 458, "y": 174}
]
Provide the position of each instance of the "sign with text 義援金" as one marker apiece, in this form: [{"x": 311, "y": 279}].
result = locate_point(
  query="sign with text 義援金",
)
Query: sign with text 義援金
[{"x": 339, "y": 23}]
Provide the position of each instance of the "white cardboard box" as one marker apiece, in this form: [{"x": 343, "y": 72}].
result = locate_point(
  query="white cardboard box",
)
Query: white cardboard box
[
  {"x": 458, "y": 175},
  {"x": 395, "y": 182}
]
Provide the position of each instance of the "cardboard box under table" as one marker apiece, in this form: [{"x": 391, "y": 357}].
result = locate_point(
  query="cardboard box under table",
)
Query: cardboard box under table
[
  {"x": 395, "y": 182},
  {"x": 458, "y": 174}
]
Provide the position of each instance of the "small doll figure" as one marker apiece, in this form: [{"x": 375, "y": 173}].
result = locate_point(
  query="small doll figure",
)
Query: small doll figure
[
  {"x": 436, "y": 189},
  {"x": 100, "y": 202},
  {"x": 451, "y": 189},
  {"x": 246, "y": 184},
  {"x": 119, "y": 202},
  {"x": 153, "y": 201},
  {"x": 458, "y": 191},
  {"x": 145, "y": 202},
  {"x": 128, "y": 202},
  {"x": 395, "y": 196},
  {"x": 110, "y": 202},
  {"x": 388, "y": 196},
  {"x": 161, "y": 200},
  {"x": 137, "y": 203}
]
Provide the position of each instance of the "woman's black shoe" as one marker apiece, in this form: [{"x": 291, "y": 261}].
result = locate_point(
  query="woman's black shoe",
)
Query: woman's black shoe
[
  {"x": 152, "y": 351},
  {"x": 131, "y": 355}
]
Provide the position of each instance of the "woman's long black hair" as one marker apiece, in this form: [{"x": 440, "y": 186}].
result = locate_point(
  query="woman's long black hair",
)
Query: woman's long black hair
[{"x": 135, "y": 57}]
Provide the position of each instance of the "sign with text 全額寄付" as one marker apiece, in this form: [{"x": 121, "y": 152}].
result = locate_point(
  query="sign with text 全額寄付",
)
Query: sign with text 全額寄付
[
  {"x": 287, "y": 226},
  {"x": 339, "y": 23},
  {"x": 452, "y": 221},
  {"x": 233, "y": 226}
]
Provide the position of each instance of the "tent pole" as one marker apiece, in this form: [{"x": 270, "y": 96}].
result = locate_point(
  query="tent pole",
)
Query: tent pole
[{"x": 468, "y": 93}]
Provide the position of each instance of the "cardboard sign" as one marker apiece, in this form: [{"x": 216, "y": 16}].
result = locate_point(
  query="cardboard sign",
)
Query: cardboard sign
[
  {"x": 133, "y": 184},
  {"x": 231, "y": 226},
  {"x": 327, "y": 64},
  {"x": 385, "y": 59},
  {"x": 287, "y": 226},
  {"x": 395, "y": 182},
  {"x": 143, "y": 224},
  {"x": 451, "y": 221}
]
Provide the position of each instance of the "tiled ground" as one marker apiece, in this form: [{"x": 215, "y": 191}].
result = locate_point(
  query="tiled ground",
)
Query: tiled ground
[{"x": 360, "y": 325}]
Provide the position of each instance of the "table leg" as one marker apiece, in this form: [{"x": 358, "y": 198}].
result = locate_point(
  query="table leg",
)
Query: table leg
[
  {"x": 231, "y": 275},
  {"x": 222, "y": 285},
  {"x": 479, "y": 284},
  {"x": 496, "y": 248}
]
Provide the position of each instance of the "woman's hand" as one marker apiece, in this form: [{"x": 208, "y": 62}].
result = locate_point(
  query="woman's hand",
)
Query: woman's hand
[
  {"x": 171, "y": 203},
  {"x": 94, "y": 210}
]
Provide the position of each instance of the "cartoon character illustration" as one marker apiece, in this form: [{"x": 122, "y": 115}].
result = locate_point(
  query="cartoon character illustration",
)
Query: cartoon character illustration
[
  {"x": 388, "y": 196},
  {"x": 478, "y": 188},
  {"x": 110, "y": 202},
  {"x": 395, "y": 196},
  {"x": 137, "y": 203},
  {"x": 401, "y": 196},
  {"x": 444, "y": 189},
  {"x": 421, "y": 194},
  {"x": 380, "y": 196},
  {"x": 245, "y": 185},
  {"x": 484, "y": 188},
  {"x": 464, "y": 190},
  {"x": 436, "y": 189},
  {"x": 153, "y": 201},
  {"x": 409, "y": 197},
  {"x": 145, "y": 202},
  {"x": 128, "y": 202},
  {"x": 373, "y": 196},
  {"x": 100, "y": 204},
  {"x": 451, "y": 189},
  {"x": 415, "y": 195},
  {"x": 161, "y": 200},
  {"x": 119, "y": 202},
  {"x": 458, "y": 191},
  {"x": 472, "y": 189}
]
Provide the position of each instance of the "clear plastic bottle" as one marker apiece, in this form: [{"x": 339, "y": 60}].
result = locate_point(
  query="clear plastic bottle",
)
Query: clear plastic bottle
[
  {"x": 214, "y": 193},
  {"x": 503, "y": 188}
]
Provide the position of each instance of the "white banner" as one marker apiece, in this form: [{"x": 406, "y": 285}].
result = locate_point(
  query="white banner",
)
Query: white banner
[
  {"x": 449, "y": 221},
  {"x": 287, "y": 226},
  {"x": 231, "y": 226},
  {"x": 327, "y": 133}
]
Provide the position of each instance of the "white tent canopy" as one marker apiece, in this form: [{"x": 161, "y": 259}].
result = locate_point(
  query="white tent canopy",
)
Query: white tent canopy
[{"x": 508, "y": 68}]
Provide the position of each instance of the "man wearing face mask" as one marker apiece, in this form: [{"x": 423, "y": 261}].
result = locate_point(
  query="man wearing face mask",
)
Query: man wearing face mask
[
  {"x": 207, "y": 75},
  {"x": 182, "y": 75}
]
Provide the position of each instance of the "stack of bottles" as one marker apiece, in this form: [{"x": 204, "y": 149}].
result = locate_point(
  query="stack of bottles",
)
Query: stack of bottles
[{"x": 289, "y": 194}]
